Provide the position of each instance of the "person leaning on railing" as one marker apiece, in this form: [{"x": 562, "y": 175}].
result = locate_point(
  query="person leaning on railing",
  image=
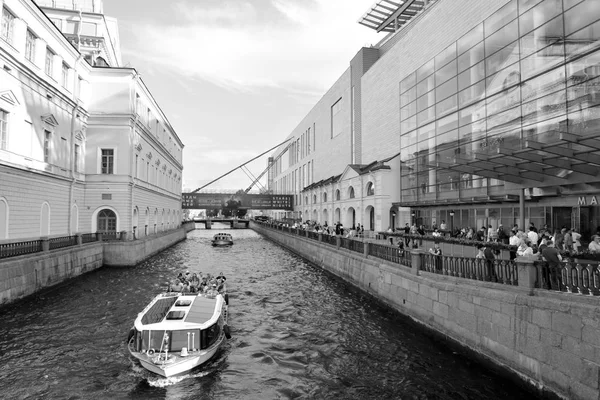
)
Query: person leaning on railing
[{"x": 594, "y": 245}]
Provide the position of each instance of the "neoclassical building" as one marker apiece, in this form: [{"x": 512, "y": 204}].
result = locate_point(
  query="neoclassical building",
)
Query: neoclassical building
[
  {"x": 71, "y": 161},
  {"x": 492, "y": 105}
]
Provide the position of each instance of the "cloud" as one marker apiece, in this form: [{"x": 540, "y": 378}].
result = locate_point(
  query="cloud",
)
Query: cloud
[{"x": 300, "y": 47}]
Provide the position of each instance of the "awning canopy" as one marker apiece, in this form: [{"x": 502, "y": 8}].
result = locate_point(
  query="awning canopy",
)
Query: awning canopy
[
  {"x": 535, "y": 163},
  {"x": 390, "y": 16}
]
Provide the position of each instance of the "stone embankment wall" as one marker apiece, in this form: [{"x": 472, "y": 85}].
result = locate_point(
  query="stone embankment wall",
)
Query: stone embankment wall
[
  {"x": 25, "y": 275},
  {"x": 130, "y": 253},
  {"x": 550, "y": 339}
]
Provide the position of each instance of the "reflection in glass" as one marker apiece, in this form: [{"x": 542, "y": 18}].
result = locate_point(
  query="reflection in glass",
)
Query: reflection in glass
[
  {"x": 539, "y": 15},
  {"x": 471, "y": 57},
  {"x": 550, "y": 34},
  {"x": 472, "y": 37},
  {"x": 500, "y": 18}
]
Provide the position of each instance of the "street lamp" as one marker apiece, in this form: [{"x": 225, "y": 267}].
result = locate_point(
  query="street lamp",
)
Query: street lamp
[
  {"x": 413, "y": 217},
  {"x": 451, "y": 222}
]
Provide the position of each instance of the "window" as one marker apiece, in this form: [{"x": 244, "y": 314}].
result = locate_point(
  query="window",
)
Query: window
[
  {"x": 370, "y": 189},
  {"x": 337, "y": 194},
  {"x": 3, "y": 129},
  {"x": 47, "y": 144},
  {"x": 64, "y": 75},
  {"x": 336, "y": 118},
  {"x": 77, "y": 156},
  {"x": 107, "y": 221},
  {"x": 30, "y": 46},
  {"x": 107, "y": 161},
  {"x": 49, "y": 62},
  {"x": 7, "y": 25},
  {"x": 351, "y": 192}
]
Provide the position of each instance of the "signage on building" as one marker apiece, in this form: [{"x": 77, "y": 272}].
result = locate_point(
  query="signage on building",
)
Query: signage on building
[
  {"x": 248, "y": 201},
  {"x": 587, "y": 201}
]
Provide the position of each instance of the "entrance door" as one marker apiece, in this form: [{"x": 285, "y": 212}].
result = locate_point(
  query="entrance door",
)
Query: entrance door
[{"x": 107, "y": 221}]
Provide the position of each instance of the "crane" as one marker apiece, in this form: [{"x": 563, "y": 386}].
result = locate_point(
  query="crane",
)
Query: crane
[
  {"x": 255, "y": 181},
  {"x": 247, "y": 162}
]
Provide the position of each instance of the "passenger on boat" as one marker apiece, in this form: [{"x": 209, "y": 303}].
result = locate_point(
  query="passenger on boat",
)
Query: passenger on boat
[
  {"x": 221, "y": 276},
  {"x": 212, "y": 291},
  {"x": 194, "y": 283},
  {"x": 176, "y": 286},
  {"x": 220, "y": 285}
]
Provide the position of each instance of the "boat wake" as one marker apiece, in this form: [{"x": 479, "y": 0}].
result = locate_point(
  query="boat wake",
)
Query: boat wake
[{"x": 160, "y": 382}]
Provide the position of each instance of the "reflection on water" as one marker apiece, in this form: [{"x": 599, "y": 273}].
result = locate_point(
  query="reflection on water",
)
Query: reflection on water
[{"x": 296, "y": 333}]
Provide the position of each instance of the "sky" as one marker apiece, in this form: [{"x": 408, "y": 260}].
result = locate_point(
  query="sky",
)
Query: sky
[{"x": 235, "y": 77}]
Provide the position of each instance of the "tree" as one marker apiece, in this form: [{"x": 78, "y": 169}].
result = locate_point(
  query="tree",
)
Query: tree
[{"x": 212, "y": 212}]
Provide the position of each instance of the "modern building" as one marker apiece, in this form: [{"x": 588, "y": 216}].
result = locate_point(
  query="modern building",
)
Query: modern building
[
  {"x": 492, "y": 106},
  {"x": 84, "y": 146}
]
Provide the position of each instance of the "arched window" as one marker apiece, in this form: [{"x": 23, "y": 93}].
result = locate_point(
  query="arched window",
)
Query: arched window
[
  {"x": 156, "y": 220},
  {"x": 134, "y": 228},
  {"x": 45, "y": 220},
  {"x": 337, "y": 194},
  {"x": 107, "y": 221},
  {"x": 324, "y": 197},
  {"x": 370, "y": 189},
  {"x": 351, "y": 192},
  {"x": 315, "y": 199},
  {"x": 306, "y": 200}
]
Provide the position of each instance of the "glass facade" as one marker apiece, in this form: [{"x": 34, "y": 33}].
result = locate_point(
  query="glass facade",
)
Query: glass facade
[{"x": 528, "y": 72}]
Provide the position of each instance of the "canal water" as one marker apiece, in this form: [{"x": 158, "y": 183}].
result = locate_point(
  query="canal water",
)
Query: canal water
[{"x": 296, "y": 332}]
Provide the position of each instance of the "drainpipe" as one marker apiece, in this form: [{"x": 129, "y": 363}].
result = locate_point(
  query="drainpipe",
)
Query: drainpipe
[
  {"x": 522, "y": 209},
  {"x": 72, "y": 152},
  {"x": 132, "y": 163}
]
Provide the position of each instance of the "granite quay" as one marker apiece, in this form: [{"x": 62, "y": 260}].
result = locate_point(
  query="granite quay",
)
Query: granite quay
[
  {"x": 548, "y": 338},
  {"x": 30, "y": 266}
]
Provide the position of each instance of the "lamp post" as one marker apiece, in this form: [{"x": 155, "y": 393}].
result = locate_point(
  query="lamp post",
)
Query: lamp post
[
  {"x": 451, "y": 223},
  {"x": 413, "y": 218}
]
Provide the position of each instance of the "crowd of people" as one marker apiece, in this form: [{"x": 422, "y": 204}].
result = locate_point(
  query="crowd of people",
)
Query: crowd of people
[{"x": 208, "y": 284}]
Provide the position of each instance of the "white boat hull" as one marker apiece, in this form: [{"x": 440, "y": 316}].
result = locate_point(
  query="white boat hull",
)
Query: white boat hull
[{"x": 176, "y": 364}]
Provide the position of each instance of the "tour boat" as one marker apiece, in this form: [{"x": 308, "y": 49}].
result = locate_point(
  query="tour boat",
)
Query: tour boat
[
  {"x": 222, "y": 239},
  {"x": 177, "y": 332}
]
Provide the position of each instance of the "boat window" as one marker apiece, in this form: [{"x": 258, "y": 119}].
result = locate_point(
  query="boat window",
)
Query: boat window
[
  {"x": 187, "y": 338},
  {"x": 152, "y": 340},
  {"x": 212, "y": 334},
  {"x": 183, "y": 303},
  {"x": 176, "y": 315},
  {"x": 158, "y": 311}
]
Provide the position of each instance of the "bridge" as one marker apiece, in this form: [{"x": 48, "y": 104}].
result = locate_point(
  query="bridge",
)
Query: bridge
[
  {"x": 231, "y": 221},
  {"x": 241, "y": 199}
]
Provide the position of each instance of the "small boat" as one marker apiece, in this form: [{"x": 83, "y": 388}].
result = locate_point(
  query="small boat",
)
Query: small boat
[
  {"x": 177, "y": 332},
  {"x": 222, "y": 239}
]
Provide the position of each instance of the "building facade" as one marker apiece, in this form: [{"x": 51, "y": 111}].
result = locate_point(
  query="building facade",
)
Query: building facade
[
  {"x": 69, "y": 160},
  {"x": 492, "y": 106}
]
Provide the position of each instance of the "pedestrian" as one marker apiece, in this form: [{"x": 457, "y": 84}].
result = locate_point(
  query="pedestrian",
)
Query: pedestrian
[
  {"x": 553, "y": 258},
  {"x": 437, "y": 259}
]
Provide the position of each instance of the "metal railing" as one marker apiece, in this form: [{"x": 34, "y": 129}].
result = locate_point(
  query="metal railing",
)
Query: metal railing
[
  {"x": 571, "y": 277},
  {"x": 64, "y": 241},
  {"x": 581, "y": 277},
  {"x": 353, "y": 245},
  {"x": 384, "y": 252},
  {"x": 313, "y": 235},
  {"x": 332, "y": 240},
  {"x": 500, "y": 271},
  {"x": 89, "y": 238},
  {"x": 20, "y": 248}
]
